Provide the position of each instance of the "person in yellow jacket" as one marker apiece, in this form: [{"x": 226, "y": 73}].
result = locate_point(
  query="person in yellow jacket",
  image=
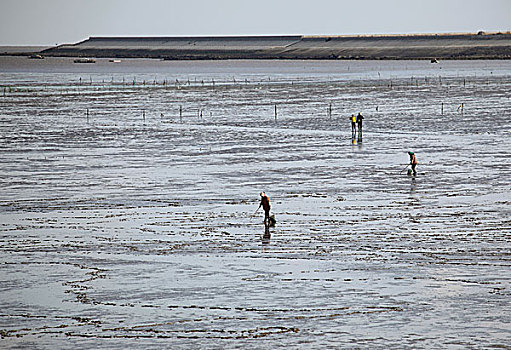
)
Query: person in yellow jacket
[{"x": 353, "y": 125}]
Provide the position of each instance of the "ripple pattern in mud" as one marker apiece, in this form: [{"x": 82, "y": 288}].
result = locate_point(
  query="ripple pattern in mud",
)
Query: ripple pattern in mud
[{"x": 135, "y": 227}]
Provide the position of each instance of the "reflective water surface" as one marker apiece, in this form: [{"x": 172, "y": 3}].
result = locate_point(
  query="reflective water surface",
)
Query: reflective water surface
[{"x": 128, "y": 192}]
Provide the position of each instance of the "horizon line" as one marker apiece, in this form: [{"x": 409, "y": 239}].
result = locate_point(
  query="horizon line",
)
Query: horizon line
[{"x": 417, "y": 34}]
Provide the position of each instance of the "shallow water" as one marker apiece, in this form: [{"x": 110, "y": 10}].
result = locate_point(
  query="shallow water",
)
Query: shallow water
[{"x": 134, "y": 226}]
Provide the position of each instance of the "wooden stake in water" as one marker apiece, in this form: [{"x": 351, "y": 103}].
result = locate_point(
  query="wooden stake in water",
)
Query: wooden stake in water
[
  {"x": 87, "y": 116},
  {"x": 180, "y": 113},
  {"x": 330, "y": 110},
  {"x": 442, "y": 108},
  {"x": 275, "y": 112},
  {"x": 143, "y": 115}
]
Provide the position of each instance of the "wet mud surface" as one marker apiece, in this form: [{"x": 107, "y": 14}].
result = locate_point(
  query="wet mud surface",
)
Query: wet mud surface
[{"x": 133, "y": 225}]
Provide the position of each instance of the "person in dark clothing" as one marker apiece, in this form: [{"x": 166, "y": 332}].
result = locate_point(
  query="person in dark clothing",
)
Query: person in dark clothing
[
  {"x": 265, "y": 203},
  {"x": 359, "y": 124},
  {"x": 413, "y": 162}
]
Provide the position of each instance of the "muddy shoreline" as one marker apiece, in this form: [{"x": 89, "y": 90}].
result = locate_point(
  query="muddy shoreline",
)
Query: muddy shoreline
[{"x": 128, "y": 191}]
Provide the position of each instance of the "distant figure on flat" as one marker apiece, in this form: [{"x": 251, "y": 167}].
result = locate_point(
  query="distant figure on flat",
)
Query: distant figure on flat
[
  {"x": 353, "y": 126},
  {"x": 413, "y": 161},
  {"x": 359, "y": 124},
  {"x": 265, "y": 203}
]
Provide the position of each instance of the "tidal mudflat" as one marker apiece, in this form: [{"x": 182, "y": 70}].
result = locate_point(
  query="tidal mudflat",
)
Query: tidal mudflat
[{"x": 127, "y": 194}]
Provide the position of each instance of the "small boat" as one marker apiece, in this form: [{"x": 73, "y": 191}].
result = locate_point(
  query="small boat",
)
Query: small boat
[
  {"x": 36, "y": 57},
  {"x": 115, "y": 61},
  {"x": 84, "y": 60},
  {"x": 434, "y": 60}
]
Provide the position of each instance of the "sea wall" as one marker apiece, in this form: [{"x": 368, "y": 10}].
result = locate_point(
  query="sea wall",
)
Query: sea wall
[{"x": 441, "y": 46}]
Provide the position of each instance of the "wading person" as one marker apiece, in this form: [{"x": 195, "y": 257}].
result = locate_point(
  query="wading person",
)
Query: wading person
[
  {"x": 265, "y": 203},
  {"x": 353, "y": 126},
  {"x": 413, "y": 162}
]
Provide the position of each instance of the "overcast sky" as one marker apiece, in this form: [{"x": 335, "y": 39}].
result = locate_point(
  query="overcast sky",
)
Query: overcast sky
[{"x": 50, "y": 22}]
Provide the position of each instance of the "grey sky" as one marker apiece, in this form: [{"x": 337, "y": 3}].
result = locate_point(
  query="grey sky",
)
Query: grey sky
[{"x": 47, "y": 22}]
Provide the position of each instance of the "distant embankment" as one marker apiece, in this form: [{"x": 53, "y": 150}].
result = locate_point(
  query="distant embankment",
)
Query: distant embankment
[
  {"x": 20, "y": 50},
  {"x": 441, "y": 46}
]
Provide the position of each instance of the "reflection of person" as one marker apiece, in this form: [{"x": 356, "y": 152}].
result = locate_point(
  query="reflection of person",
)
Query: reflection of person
[
  {"x": 413, "y": 162},
  {"x": 353, "y": 125},
  {"x": 265, "y": 203},
  {"x": 267, "y": 235}
]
